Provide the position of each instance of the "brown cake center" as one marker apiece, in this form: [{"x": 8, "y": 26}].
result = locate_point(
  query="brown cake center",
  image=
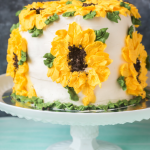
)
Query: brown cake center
[
  {"x": 86, "y": 5},
  {"x": 37, "y": 10},
  {"x": 15, "y": 58},
  {"x": 77, "y": 58},
  {"x": 137, "y": 67}
]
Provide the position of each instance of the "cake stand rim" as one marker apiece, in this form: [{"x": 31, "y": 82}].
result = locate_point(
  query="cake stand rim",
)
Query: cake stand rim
[{"x": 67, "y": 118}]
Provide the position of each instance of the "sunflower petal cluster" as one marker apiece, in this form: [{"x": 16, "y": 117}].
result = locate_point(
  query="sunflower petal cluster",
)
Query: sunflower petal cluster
[
  {"x": 22, "y": 85},
  {"x": 29, "y": 18},
  {"x": 133, "y": 51},
  {"x": 96, "y": 59}
]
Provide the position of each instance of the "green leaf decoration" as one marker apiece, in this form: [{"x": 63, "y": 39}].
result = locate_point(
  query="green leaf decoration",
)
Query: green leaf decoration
[
  {"x": 101, "y": 35},
  {"x": 112, "y": 105},
  {"x": 68, "y": 2},
  {"x": 135, "y": 100},
  {"x": 23, "y": 58},
  {"x": 113, "y": 16},
  {"x": 69, "y": 106},
  {"x": 69, "y": 14},
  {"x": 103, "y": 107},
  {"x": 18, "y": 12},
  {"x": 40, "y": 105},
  {"x": 147, "y": 93},
  {"x": 36, "y": 32},
  {"x": 72, "y": 93},
  {"x": 123, "y": 4},
  {"x": 59, "y": 105},
  {"x": 51, "y": 19},
  {"x": 82, "y": 0},
  {"x": 136, "y": 21},
  {"x": 14, "y": 26},
  {"x": 92, "y": 107},
  {"x": 49, "y": 60},
  {"x": 32, "y": 30},
  {"x": 25, "y": 99},
  {"x": 148, "y": 62},
  {"x": 90, "y": 15},
  {"x": 121, "y": 81},
  {"x": 130, "y": 31}
]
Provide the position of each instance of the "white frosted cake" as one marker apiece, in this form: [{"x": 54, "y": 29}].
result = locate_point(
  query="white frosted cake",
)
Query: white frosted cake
[{"x": 78, "y": 54}]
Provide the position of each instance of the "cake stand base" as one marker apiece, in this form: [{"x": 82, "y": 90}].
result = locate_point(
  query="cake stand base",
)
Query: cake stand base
[
  {"x": 84, "y": 138},
  {"x": 65, "y": 146}
]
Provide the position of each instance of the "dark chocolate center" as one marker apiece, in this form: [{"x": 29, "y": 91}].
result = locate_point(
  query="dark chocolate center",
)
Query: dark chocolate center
[
  {"x": 86, "y": 5},
  {"x": 137, "y": 67},
  {"x": 77, "y": 58},
  {"x": 15, "y": 58},
  {"x": 37, "y": 10}
]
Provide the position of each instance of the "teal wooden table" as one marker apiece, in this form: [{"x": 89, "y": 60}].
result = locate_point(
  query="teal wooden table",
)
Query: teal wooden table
[{"x": 21, "y": 134}]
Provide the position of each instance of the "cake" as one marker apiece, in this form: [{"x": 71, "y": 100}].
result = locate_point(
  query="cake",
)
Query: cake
[{"x": 78, "y": 55}]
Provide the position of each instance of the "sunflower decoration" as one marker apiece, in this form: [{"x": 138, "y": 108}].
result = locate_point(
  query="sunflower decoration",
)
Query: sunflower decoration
[
  {"x": 17, "y": 66},
  {"x": 36, "y": 15},
  {"x": 78, "y": 61},
  {"x": 134, "y": 71},
  {"x": 31, "y": 16}
]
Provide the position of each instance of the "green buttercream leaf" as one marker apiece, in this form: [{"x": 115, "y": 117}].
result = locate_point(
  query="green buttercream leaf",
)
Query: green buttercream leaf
[
  {"x": 24, "y": 8},
  {"x": 147, "y": 93},
  {"x": 82, "y": 108},
  {"x": 18, "y": 12},
  {"x": 36, "y": 32},
  {"x": 148, "y": 63},
  {"x": 13, "y": 95},
  {"x": 49, "y": 59},
  {"x": 68, "y": 2},
  {"x": 135, "y": 100},
  {"x": 32, "y": 30},
  {"x": 101, "y": 35},
  {"x": 82, "y": 0},
  {"x": 113, "y": 16},
  {"x": 103, "y": 107},
  {"x": 23, "y": 58},
  {"x": 14, "y": 26},
  {"x": 92, "y": 107},
  {"x": 130, "y": 31},
  {"x": 90, "y": 15},
  {"x": 125, "y": 102},
  {"x": 72, "y": 93},
  {"x": 122, "y": 83},
  {"x": 51, "y": 19},
  {"x": 112, "y": 105},
  {"x": 39, "y": 103},
  {"x": 123, "y": 4},
  {"x": 136, "y": 21},
  {"x": 59, "y": 105},
  {"x": 69, "y": 106},
  {"x": 24, "y": 99},
  {"x": 69, "y": 14}
]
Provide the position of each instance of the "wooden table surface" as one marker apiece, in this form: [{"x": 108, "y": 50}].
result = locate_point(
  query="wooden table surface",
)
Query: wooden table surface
[{"x": 21, "y": 134}]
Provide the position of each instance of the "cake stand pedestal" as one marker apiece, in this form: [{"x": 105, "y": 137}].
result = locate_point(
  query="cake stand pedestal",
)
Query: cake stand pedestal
[
  {"x": 84, "y": 138},
  {"x": 84, "y": 126}
]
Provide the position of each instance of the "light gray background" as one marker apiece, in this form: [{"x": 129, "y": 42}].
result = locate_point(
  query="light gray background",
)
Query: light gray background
[{"x": 8, "y": 8}]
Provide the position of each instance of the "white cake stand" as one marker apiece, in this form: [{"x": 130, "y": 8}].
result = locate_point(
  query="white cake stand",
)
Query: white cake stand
[{"x": 84, "y": 126}]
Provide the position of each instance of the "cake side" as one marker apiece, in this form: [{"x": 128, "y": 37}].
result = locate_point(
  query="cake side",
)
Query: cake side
[
  {"x": 87, "y": 61},
  {"x": 38, "y": 47}
]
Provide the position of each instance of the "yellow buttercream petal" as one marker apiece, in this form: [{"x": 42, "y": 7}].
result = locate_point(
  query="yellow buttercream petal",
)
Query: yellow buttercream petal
[{"x": 93, "y": 78}]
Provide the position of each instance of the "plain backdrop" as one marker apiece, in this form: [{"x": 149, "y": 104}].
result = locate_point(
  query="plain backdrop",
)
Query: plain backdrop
[{"x": 8, "y": 8}]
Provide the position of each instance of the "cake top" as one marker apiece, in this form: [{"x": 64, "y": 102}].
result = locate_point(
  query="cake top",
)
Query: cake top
[{"x": 41, "y": 14}]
